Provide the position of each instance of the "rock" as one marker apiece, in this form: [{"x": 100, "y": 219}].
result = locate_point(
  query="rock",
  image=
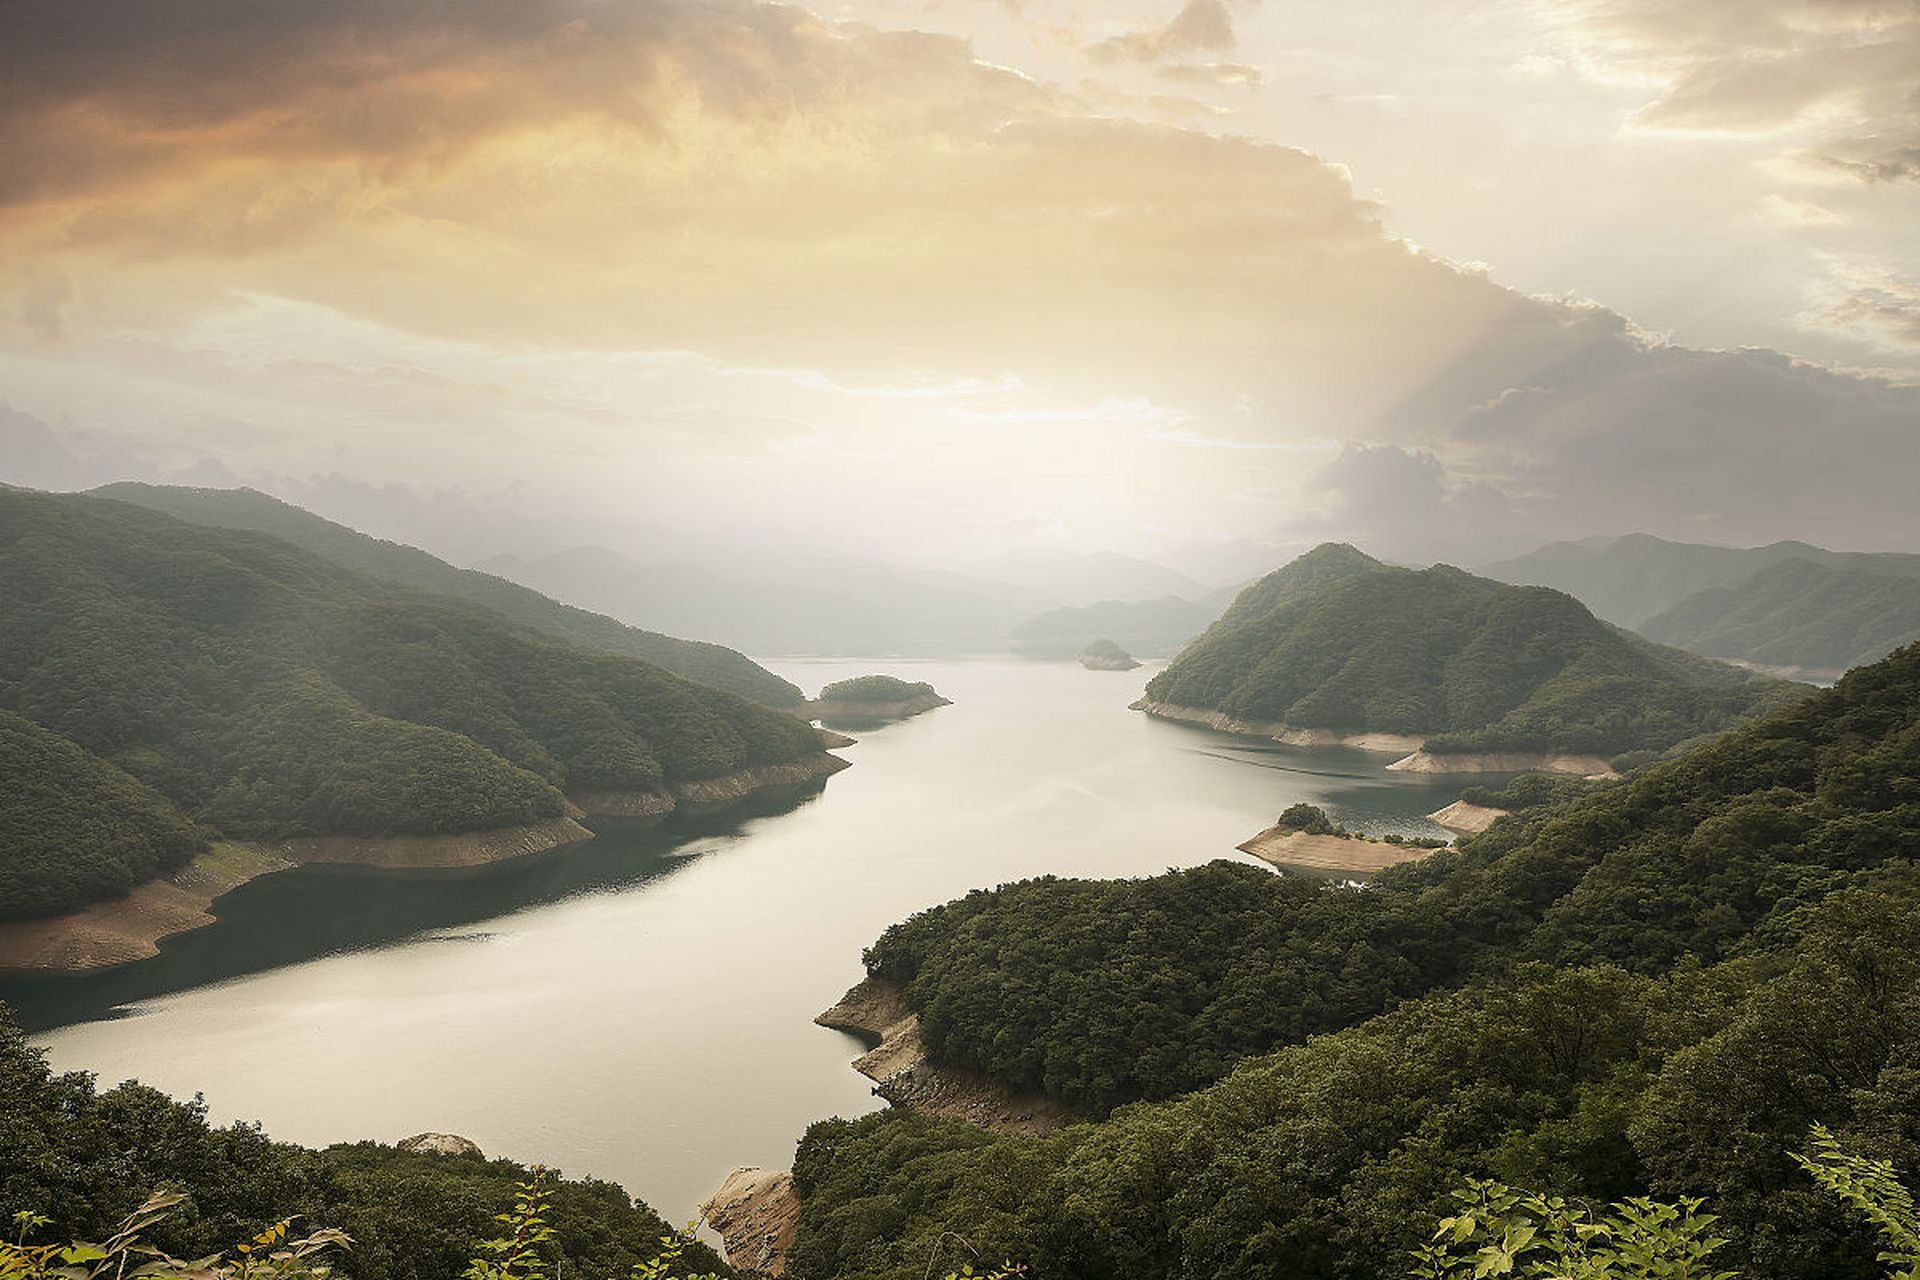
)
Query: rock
[
  {"x": 440, "y": 1144},
  {"x": 756, "y": 1212},
  {"x": 877, "y": 1013}
]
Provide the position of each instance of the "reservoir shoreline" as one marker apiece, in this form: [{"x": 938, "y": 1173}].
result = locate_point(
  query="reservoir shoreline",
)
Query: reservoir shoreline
[{"x": 129, "y": 929}]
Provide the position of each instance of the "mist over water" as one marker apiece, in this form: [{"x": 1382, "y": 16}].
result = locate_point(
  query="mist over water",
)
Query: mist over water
[{"x": 639, "y": 1008}]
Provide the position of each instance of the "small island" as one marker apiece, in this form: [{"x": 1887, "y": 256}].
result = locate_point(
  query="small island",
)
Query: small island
[
  {"x": 1304, "y": 838},
  {"x": 1105, "y": 655},
  {"x": 866, "y": 702}
]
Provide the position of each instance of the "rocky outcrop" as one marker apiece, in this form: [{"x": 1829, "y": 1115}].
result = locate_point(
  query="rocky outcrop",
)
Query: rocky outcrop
[
  {"x": 877, "y": 1012},
  {"x": 1295, "y": 850},
  {"x": 440, "y": 1144},
  {"x": 757, "y": 1213},
  {"x": 1292, "y": 735},
  {"x": 1504, "y": 762},
  {"x": 1467, "y": 819}
]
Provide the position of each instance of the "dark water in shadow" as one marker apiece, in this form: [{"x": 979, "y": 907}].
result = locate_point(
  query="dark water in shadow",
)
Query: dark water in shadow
[{"x": 313, "y": 911}]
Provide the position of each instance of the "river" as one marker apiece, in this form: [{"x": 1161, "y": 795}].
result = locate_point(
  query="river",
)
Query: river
[{"x": 639, "y": 1007}]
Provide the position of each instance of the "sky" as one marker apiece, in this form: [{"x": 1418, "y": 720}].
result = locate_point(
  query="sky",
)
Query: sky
[{"x": 931, "y": 279}]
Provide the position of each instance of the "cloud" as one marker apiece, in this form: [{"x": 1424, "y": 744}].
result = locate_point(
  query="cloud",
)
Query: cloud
[
  {"x": 1869, "y": 301},
  {"x": 549, "y": 183},
  {"x": 1838, "y": 80},
  {"x": 1200, "y": 27}
]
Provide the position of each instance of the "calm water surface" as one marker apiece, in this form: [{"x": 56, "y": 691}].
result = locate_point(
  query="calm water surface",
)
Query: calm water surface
[{"x": 639, "y": 1008}]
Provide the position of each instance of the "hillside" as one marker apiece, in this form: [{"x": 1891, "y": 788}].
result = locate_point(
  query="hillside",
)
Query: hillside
[
  {"x": 1337, "y": 641},
  {"x": 708, "y": 664},
  {"x": 1796, "y": 614},
  {"x": 1655, "y": 985},
  {"x": 1630, "y": 579},
  {"x": 74, "y": 828},
  {"x": 266, "y": 692}
]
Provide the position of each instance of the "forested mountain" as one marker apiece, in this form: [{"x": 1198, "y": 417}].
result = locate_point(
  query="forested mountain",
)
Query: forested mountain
[
  {"x": 265, "y": 691},
  {"x": 708, "y": 664},
  {"x": 1796, "y": 614},
  {"x": 1338, "y": 641},
  {"x": 1630, "y": 579},
  {"x": 1657, "y": 985},
  {"x": 84, "y": 1157}
]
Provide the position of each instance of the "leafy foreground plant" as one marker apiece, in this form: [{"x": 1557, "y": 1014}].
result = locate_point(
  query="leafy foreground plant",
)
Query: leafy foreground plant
[
  {"x": 271, "y": 1255},
  {"x": 1503, "y": 1232}
]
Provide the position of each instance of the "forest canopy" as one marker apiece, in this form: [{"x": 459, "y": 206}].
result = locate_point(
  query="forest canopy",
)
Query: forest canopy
[
  {"x": 1336, "y": 640},
  {"x": 1657, "y": 986}
]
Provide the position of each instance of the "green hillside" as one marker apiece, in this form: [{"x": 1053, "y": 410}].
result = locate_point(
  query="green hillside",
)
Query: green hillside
[
  {"x": 1796, "y": 614},
  {"x": 708, "y": 664},
  {"x": 1658, "y": 986},
  {"x": 1339, "y": 641},
  {"x": 266, "y": 691},
  {"x": 1630, "y": 579},
  {"x": 73, "y": 828}
]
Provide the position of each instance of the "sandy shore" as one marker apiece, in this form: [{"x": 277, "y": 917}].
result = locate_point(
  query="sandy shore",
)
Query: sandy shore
[
  {"x": 1345, "y": 855},
  {"x": 1292, "y": 735},
  {"x": 126, "y": 929},
  {"x": 1467, "y": 819},
  {"x": 1505, "y": 762},
  {"x": 131, "y": 928}
]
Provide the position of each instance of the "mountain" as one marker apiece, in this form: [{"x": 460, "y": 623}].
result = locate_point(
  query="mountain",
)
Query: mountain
[
  {"x": 1155, "y": 628},
  {"x": 1661, "y": 983},
  {"x": 1338, "y": 641},
  {"x": 265, "y": 691},
  {"x": 1796, "y": 614},
  {"x": 788, "y": 604},
  {"x": 708, "y": 664},
  {"x": 1630, "y": 579}
]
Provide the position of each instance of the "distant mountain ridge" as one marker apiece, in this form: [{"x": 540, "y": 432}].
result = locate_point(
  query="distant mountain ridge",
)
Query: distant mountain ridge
[
  {"x": 1338, "y": 641},
  {"x": 1788, "y": 605},
  {"x": 1796, "y": 614},
  {"x": 1630, "y": 579},
  {"x": 708, "y": 664}
]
